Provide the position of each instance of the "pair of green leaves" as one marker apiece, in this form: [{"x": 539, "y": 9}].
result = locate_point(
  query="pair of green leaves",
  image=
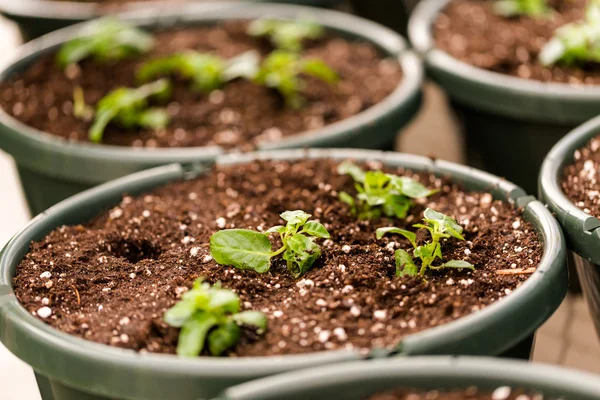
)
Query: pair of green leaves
[
  {"x": 248, "y": 249},
  {"x": 207, "y": 72},
  {"x": 282, "y": 70},
  {"x": 379, "y": 192},
  {"x": 577, "y": 41},
  {"x": 125, "y": 106},
  {"x": 531, "y": 8},
  {"x": 286, "y": 35},
  {"x": 107, "y": 40},
  {"x": 440, "y": 226},
  {"x": 210, "y": 315}
]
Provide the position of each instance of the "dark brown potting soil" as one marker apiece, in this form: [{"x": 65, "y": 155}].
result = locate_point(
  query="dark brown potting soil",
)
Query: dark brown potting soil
[
  {"x": 240, "y": 115},
  {"x": 470, "y": 31},
  {"x": 112, "y": 279},
  {"x": 472, "y": 393},
  {"x": 581, "y": 179}
]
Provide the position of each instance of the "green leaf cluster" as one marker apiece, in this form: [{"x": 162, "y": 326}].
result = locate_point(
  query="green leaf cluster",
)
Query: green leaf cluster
[
  {"x": 128, "y": 108},
  {"x": 210, "y": 315},
  {"x": 108, "y": 40},
  {"x": 282, "y": 70},
  {"x": 380, "y": 193},
  {"x": 286, "y": 35},
  {"x": 440, "y": 227},
  {"x": 248, "y": 249},
  {"x": 576, "y": 42},
  {"x": 207, "y": 72},
  {"x": 531, "y": 8}
]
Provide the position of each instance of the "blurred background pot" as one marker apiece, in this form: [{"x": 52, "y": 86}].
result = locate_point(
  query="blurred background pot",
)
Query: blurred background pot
[
  {"x": 580, "y": 229},
  {"x": 70, "y": 368},
  {"x": 509, "y": 123},
  {"x": 52, "y": 169},
  {"x": 357, "y": 381}
]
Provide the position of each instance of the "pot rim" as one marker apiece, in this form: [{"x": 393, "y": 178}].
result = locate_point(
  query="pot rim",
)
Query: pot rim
[
  {"x": 581, "y": 228},
  {"x": 492, "y": 372},
  {"x": 531, "y": 304},
  {"x": 22, "y": 141},
  {"x": 539, "y": 96}
]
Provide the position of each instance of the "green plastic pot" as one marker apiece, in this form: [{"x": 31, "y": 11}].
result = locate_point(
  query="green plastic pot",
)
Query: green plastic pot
[
  {"x": 580, "y": 229},
  {"x": 509, "y": 123},
  {"x": 52, "y": 169},
  {"x": 70, "y": 368},
  {"x": 358, "y": 381},
  {"x": 35, "y": 18}
]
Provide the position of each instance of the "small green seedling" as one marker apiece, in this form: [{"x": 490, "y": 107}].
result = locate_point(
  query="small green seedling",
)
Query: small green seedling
[
  {"x": 282, "y": 71},
  {"x": 129, "y": 108},
  {"x": 530, "y": 8},
  {"x": 286, "y": 35},
  {"x": 380, "y": 193},
  {"x": 107, "y": 40},
  {"x": 80, "y": 109},
  {"x": 207, "y": 72},
  {"x": 248, "y": 249},
  {"x": 440, "y": 226},
  {"x": 210, "y": 315},
  {"x": 575, "y": 42}
]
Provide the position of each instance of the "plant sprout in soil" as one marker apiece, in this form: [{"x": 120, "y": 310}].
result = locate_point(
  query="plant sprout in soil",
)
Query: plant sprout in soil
[
  {"x": 206, "y": 72},
  {"x": 440, "y": 227},
  {"x": 380, "y": 193},
  {"x": 210, "y": 316},
  {"x": 286, "y": 35},
  {"x": 125, "y": 106},
  {"x": 248, "y": 249},
  {"x": 107, "y": 40},
  {"x": 576, "y": 42},
  {"x": 529, "y": 8}
]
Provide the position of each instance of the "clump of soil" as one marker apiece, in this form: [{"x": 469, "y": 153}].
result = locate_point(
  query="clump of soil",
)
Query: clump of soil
[
  {"x": 111, "y": 280},
  {"x": 238, "y": 116},
  {"x": 472, "y": 393},
  {"x": 470, "y": 31},
  {"x": 581, "y": 179}
]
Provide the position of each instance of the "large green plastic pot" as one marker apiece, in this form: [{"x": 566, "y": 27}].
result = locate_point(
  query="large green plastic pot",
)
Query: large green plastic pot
[
  {"x": 580, "y": 229},
  {"x": 509, "y": 123},
  {"x": 358, "y": 381},
  {"x": 70, "y": 368},
  {"x": 52, "y": 169},
  {"x": 35, "y": 18}
]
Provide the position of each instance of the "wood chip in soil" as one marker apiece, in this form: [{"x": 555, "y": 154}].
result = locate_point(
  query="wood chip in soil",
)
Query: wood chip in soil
[
  {"x": 581, "y": 179},
  {"x": 111, "y": 280},
  {"x": 240, "y": 115},
  {"x": 470, "y": 31},
  {"x": 472, "y": 393}
]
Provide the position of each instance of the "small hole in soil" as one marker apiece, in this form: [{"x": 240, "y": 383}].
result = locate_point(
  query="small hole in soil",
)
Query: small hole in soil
[{"x": 134, "y": 250}]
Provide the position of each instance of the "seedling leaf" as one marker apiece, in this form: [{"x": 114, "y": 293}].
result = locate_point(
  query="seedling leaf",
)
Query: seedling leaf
[
  {"x": 242, "y": 248},
  {"x": 405, "y": 266},
  {"x": 223, "y": 338},
  {"x": 193, "y": 334},
  {"x": 107, "y": 40},
  {"x": 286, "y": 35}
]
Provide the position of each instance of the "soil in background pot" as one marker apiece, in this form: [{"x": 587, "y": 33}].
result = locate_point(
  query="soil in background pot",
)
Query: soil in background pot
[
  {"x": 580, "y": 180},
  {"x": 238, "y": 116},
  {"x": 111, "y": 280},
  {"x": 471, "y": 31},
  {"x": 472, "y": 393}
]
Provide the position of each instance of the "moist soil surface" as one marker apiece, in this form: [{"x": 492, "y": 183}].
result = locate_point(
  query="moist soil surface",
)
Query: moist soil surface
[
  {"x": 581, "y": 179},
  {"x": 472, "y": 393},
  {"x": 470, "y": 31},
  {"x": 240, "y": 115},
  {"x": 112, "y": 279}
]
